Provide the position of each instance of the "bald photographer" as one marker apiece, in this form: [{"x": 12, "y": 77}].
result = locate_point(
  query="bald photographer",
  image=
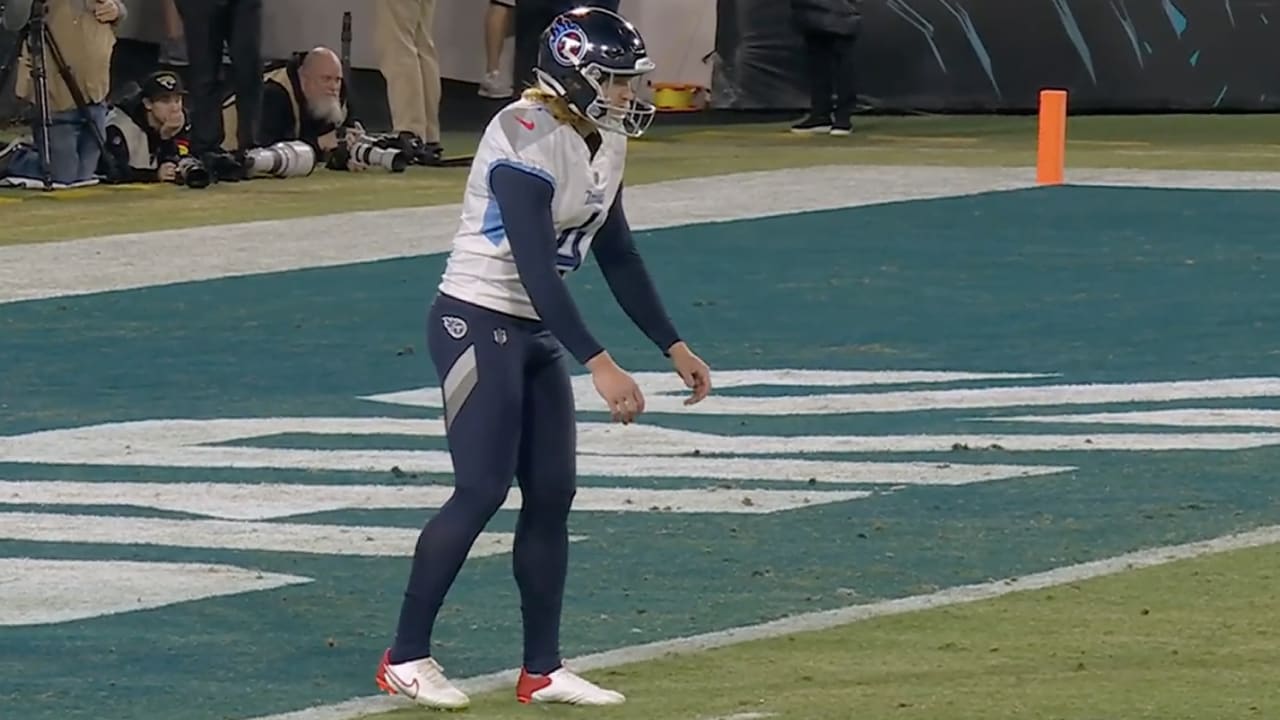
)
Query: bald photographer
[
  {"x": 306, "y": 101},
  {"x": 303, "y": 100}
]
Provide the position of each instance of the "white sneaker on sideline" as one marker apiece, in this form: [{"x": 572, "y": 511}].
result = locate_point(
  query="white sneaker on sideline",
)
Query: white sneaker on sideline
[{"x": 493, "y": 87}]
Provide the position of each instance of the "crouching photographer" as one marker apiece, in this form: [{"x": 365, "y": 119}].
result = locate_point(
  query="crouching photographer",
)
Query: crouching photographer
[
  {"x": 63, "y": 70},
  {"x": 148, "y": 135}
]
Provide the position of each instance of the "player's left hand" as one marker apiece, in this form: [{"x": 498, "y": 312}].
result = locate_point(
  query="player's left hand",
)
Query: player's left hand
[{"x": 695, "y": 373}]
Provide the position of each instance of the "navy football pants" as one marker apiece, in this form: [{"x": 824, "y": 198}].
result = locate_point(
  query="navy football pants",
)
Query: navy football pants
[{"x": 508, "y": 413}]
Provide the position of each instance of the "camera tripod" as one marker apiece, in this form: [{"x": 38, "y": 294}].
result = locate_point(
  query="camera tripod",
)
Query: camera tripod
[{"x": 36, "y": 35}]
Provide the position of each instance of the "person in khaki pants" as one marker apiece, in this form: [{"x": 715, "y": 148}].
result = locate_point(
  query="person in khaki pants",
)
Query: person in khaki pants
[
  {"x": 408, "y": 61},
  {"x": 85, "y": 33}
]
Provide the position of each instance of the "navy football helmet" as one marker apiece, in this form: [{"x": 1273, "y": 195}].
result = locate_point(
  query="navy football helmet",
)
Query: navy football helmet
[{"x": 584, "y": 56}]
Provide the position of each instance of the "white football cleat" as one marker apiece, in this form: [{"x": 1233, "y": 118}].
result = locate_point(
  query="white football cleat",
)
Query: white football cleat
[
  {"x": 422, "y": 681},
  {"x": 563, "y": 686}
]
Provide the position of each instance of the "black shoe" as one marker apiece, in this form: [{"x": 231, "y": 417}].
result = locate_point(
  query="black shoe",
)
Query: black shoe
[
  {"x": 418, "y": 151},
  {"x": 431, "y": 154},
  {"x": 841, "y": 127},
  {"x": 813, "y": 124},
  {"x": 406, "y": 142}
]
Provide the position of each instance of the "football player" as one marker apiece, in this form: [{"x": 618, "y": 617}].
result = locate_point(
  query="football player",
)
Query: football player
[{"x": 545, "y": 189}]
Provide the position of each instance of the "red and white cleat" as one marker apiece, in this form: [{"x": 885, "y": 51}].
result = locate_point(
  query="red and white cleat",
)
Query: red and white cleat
[
  {"x": 563, "y": 686},
  {"x": 422, "y": 681}
]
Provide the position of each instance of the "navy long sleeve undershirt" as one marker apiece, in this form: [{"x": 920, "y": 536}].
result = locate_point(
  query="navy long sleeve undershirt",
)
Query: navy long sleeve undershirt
[
  {"x": 525, "y": 202},
  {"x": 524, "y": 199},
  {"x": 629, "y": 280}
]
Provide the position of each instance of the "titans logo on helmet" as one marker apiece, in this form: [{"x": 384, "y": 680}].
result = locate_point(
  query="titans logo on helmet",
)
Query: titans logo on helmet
[{"x": 568, "y": 43}]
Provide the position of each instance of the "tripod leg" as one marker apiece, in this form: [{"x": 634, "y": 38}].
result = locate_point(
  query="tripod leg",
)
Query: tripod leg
[{"x": 36, "y": 35}]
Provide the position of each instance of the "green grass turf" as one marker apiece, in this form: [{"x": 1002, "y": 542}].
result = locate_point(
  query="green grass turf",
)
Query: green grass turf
[
  {"x": 1227, "y": 142},
  {"x": 1192, "y": 640}
]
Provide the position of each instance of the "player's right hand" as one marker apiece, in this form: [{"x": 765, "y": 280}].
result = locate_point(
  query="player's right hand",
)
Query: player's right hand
[{"x": 618, "y": 389}]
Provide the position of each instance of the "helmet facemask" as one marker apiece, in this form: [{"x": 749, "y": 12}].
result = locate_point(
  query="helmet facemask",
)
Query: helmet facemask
[
  {"x": 588, "y": 96},
  {"x": 630, "y": 117}
]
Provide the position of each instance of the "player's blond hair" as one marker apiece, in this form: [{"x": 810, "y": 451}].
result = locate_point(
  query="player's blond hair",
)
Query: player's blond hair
[{"x": 559, "y": 109}]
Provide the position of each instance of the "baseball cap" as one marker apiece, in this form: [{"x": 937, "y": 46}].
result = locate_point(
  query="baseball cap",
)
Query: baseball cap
[{"x": 159, "y": 84}]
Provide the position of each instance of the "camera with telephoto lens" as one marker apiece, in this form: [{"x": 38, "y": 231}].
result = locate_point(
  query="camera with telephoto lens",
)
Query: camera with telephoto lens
[
  {"x": 290, "y": 158},
  {"x": 192, "y": 173},
  {"x": 370, "y": 151}
]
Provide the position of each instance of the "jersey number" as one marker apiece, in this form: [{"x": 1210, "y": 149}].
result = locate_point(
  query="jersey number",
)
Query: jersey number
[{"x": 569, "y": 244}]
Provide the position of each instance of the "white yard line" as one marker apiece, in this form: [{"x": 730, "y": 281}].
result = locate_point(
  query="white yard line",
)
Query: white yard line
[
  {"x": 155, "y": 258},
  {"x": 823, "y": 620},
  {"x": 116, "y": 262}
]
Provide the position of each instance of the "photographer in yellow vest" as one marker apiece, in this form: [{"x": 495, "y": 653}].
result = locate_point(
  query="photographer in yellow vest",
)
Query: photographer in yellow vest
[{"x": 303, "y": 100}]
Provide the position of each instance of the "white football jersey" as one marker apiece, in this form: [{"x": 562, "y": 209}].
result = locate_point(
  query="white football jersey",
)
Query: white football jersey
[{"x": 481, "y": 268}]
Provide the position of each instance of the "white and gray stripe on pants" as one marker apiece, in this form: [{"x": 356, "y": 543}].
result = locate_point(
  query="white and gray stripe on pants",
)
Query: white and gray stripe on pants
[{"x": 458, "y": 384}]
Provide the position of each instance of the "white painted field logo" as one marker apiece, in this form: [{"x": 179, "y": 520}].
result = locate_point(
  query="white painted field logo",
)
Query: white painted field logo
[
  {"x": 719, "y": 470},
  {"x": 649, "y": 450}
]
